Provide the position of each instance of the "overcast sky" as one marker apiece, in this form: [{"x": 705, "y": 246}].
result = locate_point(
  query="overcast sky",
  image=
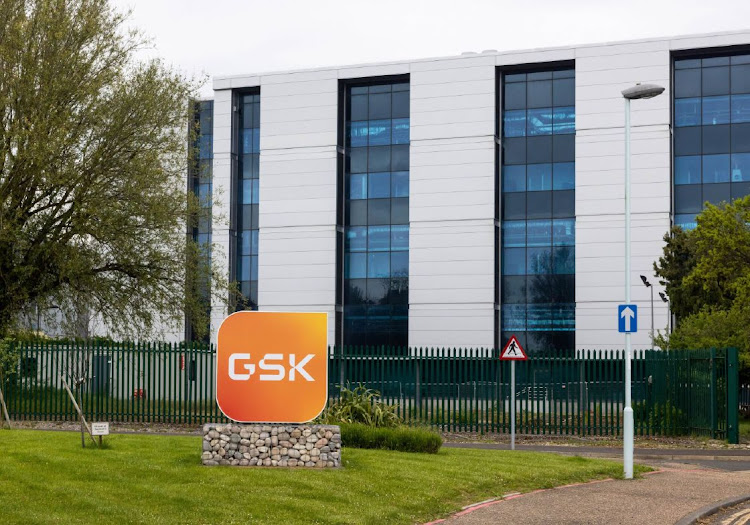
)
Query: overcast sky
[{"x": 226, "y": 37}]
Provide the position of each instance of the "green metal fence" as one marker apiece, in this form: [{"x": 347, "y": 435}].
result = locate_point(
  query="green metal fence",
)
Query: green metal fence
[{"x": 454, "y": 389}]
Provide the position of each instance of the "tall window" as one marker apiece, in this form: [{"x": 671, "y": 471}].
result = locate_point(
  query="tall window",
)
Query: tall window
[
  {"x": 376, "y": 214},
  {"x": 537, "y": 207},
  {"x": 200, "y": 177},
  {"x": 247, "y": 200},
  {"x": 711, "y": 133}
]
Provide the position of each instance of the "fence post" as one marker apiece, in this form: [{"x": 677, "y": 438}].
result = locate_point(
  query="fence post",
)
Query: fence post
[
  {"x": 714, "y": 417},
  {"x": 733, "y": 390}
]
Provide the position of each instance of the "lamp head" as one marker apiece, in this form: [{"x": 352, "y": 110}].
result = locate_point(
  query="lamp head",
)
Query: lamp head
[
  {"x": 642, "y": 91},
  {"x": 645, "y": 281},
  {"x": 663, "y": 297}
]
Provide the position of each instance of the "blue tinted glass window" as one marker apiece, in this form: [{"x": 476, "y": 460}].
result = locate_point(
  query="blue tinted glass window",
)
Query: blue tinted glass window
[
  {"x": 379, "y": 132},
  {"x": 740, "y": 78},
  {"x": 376, "y": 215},
  {"x": 246, "y": 243},
  {"x": 401, "y": 131},
  {"x": 687, "y": 170},
  {"x": 539, "y": 122},
  {"x": 539, "y": 94},
  {"x": 539, "y": 177},
  {"x": 686, "y": 221},
  {"x": 687, "y": 112},
  {"x": 514, "y": 261},
  {"x": 715, "y": 168},
  {"x": 740, "y": 167},
  {"x": 687, "y": 83},
  {"x": 514, "y": 178},
  {"x": 715, "y": 80},
  {"x": 514, "y": 233},
  {"x": 740, "y": 108},
  {"x": 357, "y": 134},
  {"x": 254, "y": 242},
  {"x": 564, "y": 120},
  {"x": 514, "y": 123},
  {"x": 563, "y": 176},
  {"x": 539, "y": 233},
  {"x": 564, "y": 232},
  {"x": 538, "y": 207},
  {"x": 400, "y": 184},
  {"x": 358, "y": 186},
  {"x": 715, "y": 110},
  {"x": 356, "y": 266},
  {"x": 356, "y": 239},
  {"x": 378, "y": 265},
  {"x": 378, "y": 238},
  {"x": 378, "y": 185},
  {"x": 400, "y": 264}
]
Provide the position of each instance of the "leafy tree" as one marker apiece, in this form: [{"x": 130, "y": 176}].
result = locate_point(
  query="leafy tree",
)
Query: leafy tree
[
  {"x": 707, "y": 276},
  {"x": 93, "y": 201}
]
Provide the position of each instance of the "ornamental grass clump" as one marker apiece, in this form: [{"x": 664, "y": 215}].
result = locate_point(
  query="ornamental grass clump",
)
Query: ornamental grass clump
[
  {"x": 361, "y": 405},
  {"x": 402, "y": 439}
]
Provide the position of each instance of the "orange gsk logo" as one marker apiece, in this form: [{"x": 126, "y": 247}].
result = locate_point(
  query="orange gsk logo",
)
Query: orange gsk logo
[{"x": 272, "y": 367}]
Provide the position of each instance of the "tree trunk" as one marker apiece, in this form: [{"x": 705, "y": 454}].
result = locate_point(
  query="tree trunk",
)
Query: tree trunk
[{"x": 83, "y": 430}]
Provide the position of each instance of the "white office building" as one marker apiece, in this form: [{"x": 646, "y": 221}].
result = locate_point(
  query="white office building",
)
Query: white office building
[{"x": 453, "y": 201}]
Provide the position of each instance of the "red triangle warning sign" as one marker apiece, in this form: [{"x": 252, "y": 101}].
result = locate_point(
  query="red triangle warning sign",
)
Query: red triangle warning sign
[{"x": 513, "y": 350}]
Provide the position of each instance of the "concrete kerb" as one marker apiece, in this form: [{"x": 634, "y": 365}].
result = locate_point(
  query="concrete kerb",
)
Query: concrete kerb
[{"x": 711, "y": 509}]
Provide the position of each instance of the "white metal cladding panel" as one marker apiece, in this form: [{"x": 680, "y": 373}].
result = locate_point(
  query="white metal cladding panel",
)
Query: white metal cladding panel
[
  {"x": 451, "y": 325},
  {"x": 597, "y": 328},
  {"x": 452, "y": 179},
  {"x": 297, "y": 267},
  {"x": 602, "y": 72},
  {"x": 600, "y": 255},
  {"x": 222, "y": 172},
  {"x": 451, "y": 266}
]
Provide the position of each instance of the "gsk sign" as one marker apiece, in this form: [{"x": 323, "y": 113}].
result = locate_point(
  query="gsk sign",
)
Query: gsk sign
[{"x": 272, "y": 367}]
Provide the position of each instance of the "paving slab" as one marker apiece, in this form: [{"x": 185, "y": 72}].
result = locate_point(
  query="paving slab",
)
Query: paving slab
[{"x": 661, "y": 497}]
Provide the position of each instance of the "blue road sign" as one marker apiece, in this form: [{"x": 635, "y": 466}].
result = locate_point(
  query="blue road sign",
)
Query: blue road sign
[{"x": 627, "y": 318}]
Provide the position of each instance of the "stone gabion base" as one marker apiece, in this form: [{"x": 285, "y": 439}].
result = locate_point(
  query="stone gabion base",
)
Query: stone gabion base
[{"x": 272, "y": 445}]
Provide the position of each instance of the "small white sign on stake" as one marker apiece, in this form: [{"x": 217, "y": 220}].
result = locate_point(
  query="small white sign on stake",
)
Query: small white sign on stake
[{"x": 99, "y": 429}]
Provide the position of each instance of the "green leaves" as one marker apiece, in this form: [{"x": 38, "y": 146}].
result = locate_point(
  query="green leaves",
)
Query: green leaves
[
  {"x": 361, "y": 405},
  {"x": 93, "y": 164},
  {"x": 707, "y": 277}
]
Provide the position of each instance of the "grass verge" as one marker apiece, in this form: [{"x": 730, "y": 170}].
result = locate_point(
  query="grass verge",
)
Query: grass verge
[{"x": 46, "y": 477}]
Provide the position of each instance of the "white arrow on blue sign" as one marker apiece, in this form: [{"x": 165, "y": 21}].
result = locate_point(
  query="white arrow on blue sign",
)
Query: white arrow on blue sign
[{"x": 627, "y": 318}]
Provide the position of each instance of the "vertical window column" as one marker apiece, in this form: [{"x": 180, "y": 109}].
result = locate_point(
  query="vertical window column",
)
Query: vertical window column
[
  {"x": 537, "y": 252},
  {"x": 711, "y": 133},
  {"x": 247, "y": 200},
  {"x": 376, "y": 218}
]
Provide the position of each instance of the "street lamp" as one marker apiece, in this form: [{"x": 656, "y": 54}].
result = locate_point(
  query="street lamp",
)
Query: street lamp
[
  {"x": 648, "y": 285},
  {"x": 639, "y": 91}
]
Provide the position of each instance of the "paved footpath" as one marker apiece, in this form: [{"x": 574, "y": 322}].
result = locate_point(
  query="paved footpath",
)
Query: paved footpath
[
  {"x": 657, "y": 498},
  {"x": 686, "y": 481}
]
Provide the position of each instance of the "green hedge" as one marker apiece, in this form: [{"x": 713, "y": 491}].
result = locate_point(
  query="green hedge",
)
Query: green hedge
[{"x": 403, "y": 439}]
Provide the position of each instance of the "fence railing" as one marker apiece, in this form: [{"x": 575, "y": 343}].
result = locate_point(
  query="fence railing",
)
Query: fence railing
[{"x": 456, "y": 390}]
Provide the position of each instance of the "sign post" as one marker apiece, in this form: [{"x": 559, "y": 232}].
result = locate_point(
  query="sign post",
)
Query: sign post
[
  {"x": 627, "y": 323},
  {"x": 513, "y": 352}
]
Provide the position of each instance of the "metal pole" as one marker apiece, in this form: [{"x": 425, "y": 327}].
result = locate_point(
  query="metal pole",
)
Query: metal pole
[
  {"x": 652, "y": 317},
  {"x": 628, "y": 412},
  {"x": 513, "y": 405}
]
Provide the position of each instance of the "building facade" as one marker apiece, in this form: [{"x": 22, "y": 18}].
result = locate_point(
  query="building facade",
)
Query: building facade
[{"x": 456, "y": 201}]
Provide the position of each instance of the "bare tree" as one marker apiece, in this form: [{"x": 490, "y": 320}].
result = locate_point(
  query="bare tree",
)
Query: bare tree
[{"x": 77, "y": 372}]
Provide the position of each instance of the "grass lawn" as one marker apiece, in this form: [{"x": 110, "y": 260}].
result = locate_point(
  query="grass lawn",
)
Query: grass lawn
[
  {"x": 745, "y": 429},
  {"x": 46, "y": 477}
]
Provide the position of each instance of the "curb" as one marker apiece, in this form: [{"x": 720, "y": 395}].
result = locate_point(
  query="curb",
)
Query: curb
[{"x": 713, "y": 508}]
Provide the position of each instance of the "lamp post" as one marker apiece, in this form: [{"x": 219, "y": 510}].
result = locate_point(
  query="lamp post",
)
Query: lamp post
[
  {"x": 648, "y": 285},
  {"x": 639, "y": 91}
]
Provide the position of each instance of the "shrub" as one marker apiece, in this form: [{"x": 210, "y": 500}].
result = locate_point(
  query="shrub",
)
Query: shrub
[
  {"x": 402, "y": 439},
  {"x": 360, "y": 405}
]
